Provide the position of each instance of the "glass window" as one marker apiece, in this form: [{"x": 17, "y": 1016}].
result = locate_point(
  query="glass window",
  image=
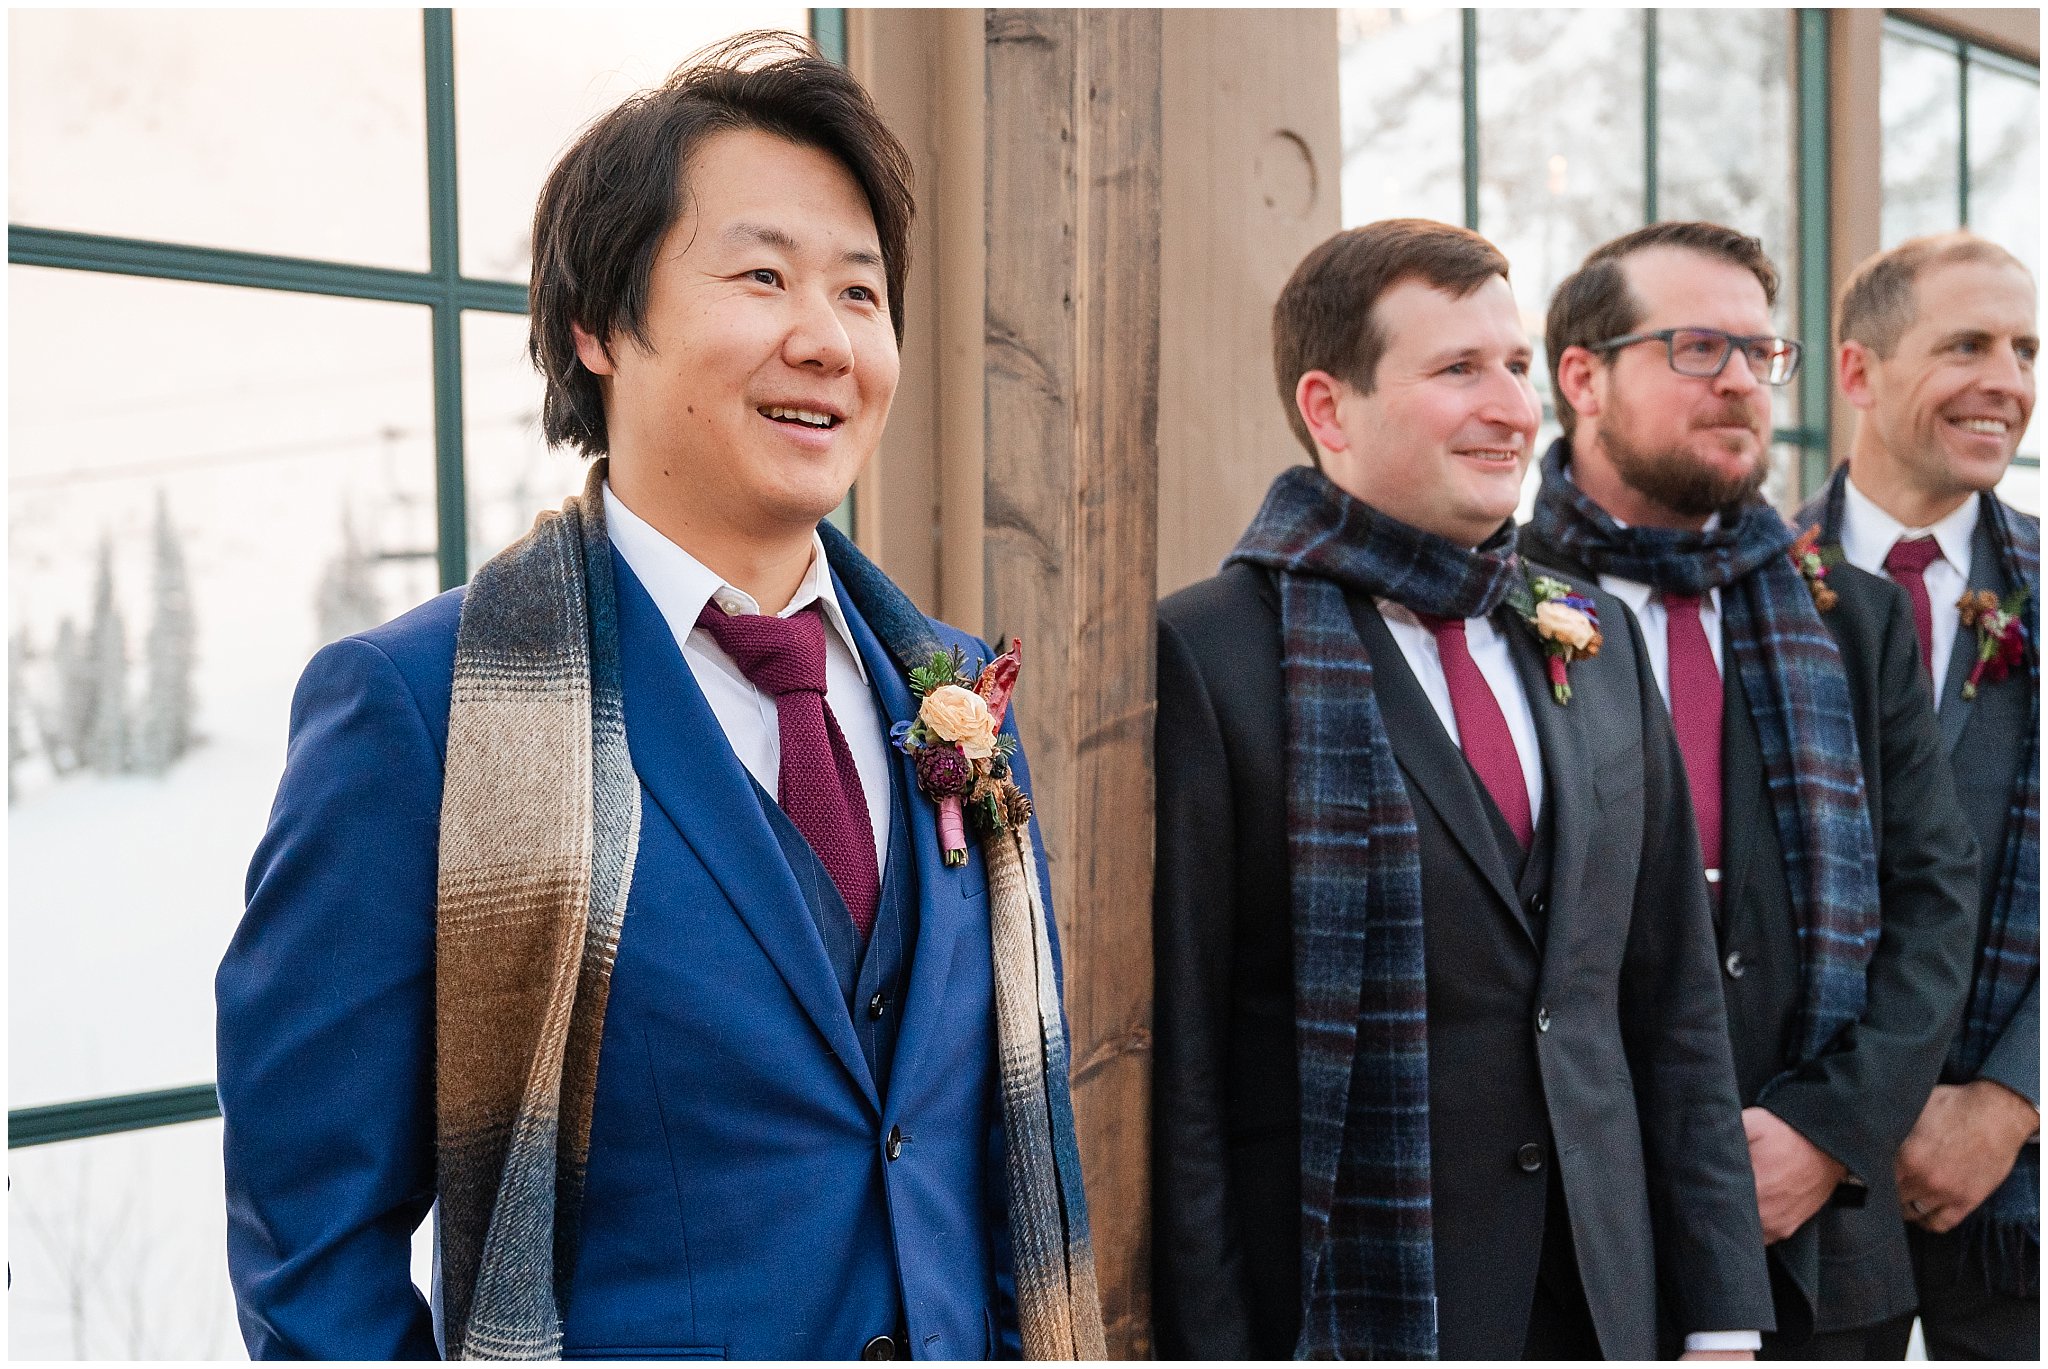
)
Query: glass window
[
  {"x": 1400, "y": 83},
  {"x": 296, "y": 132},
  {"x": 2005, "y": 157},
  {"x": 1920, "y": 104},
  {"x": 511, "y": 473},
  {"x": 236, "y": 477},
  {"x": 527, "y": 81}
]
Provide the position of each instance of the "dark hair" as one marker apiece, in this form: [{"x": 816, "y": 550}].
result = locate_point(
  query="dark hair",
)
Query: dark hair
[
  {"x": 1594, "y": 303},
  {"x": 1324, "y": 320},
  {"x": 1876, "y": 306},
  {"x": 616, "y": 192}
]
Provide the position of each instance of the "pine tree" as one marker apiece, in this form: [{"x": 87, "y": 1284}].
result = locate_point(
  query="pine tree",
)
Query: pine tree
[
  {"x": 72, "y": 713},
  {"x": 17, "y": 705},
  {"x": 347, "y": 598},
  {"x": 168, "y": 703},
  {"x": 106, "y": 653}
]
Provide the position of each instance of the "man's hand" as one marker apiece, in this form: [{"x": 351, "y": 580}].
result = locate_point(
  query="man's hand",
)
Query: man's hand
[
  {"x": 1960, "y": 1150},
  {"x": 1719, "y": 1354},
  {"x": 1794, "y": 1177}
]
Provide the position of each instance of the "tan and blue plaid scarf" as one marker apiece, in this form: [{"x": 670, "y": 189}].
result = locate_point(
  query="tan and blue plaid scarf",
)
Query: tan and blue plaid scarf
[
  {"x": 1368, "y": 1266},
  {"x": 2006, "y": 1228},
  {"x": 540, "y": 820},
  {"x": 1792, "y": 673}
]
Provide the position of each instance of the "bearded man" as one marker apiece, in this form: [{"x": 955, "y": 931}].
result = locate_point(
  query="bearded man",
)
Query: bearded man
[{"x": 1842, "y": 872}]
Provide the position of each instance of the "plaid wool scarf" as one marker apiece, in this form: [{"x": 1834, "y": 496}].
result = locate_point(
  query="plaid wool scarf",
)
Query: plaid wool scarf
[
  {"x": 1368, "y": 1268},
  {"x": 539, "y": 824},
  {"x": 1798, "y": 693},
  {"x": 2006, "y": 1228}
]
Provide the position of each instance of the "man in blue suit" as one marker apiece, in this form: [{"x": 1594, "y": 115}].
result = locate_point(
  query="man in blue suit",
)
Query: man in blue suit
[{"x": 596, "y": 912}]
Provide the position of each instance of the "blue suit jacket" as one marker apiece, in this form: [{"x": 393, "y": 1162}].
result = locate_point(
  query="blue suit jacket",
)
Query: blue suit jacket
[{"x": 740, "y": 1201}]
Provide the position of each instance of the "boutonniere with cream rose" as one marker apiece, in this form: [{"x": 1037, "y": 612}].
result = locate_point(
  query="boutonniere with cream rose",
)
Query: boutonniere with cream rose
[
  {"x": 962, "y": 759},
  {"x": 1564, "y": 621},
  {"x": 2001, "y": 636}
]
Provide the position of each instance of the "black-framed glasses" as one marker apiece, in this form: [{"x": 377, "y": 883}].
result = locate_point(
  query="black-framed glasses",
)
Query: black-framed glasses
[{"x": 1704, "y": 352}]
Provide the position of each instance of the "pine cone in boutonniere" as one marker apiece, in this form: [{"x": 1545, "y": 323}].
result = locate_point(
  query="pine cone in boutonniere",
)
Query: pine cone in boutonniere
[
  {"x": 1564, "y": 621},
  {"x": 955, "y": 743},
  {"x": 2001, "y": 635},
  {"x": 1812, "y": 562}
]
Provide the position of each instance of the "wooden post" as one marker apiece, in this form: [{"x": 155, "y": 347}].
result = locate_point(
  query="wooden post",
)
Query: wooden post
[{"x": 1071, "y": 361}]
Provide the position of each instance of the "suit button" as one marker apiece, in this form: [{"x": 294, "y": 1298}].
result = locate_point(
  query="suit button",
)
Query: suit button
[
  {"x": 1539, "y": 907},
  {"x": 881, "y": 1347},
  {"x": 877, "y": 1005},
  {"x": 1735, "y": 965},
  {"x": 893, "y": 1150},
  {"x": 1529, "y": 1158},
  {"x": 1543, "y": 1019}
]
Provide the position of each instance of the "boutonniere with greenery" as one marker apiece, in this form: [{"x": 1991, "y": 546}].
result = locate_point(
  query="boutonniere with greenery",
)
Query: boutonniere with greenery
[
  {"x": 2001, "y": 636},
  {"x": 962, "y": 758},
  {"x": 1812, "y": 560},
  {"x": 1564, "y": 621}
]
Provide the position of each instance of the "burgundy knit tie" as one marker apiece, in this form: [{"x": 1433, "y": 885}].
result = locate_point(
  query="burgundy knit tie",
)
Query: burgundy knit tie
[
  {"x": 1696, "y": 700},
  {"x": 819, "y": 787},
  {"x": 1482, "y": 727},
  {"x": 1907, "y": 564}
]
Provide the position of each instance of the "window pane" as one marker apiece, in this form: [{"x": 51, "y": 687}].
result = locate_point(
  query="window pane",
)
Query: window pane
[
  {"x": 116, "y": 1247},
  {"x": 1558, "y": 176},
  {"x": 510, "y": 475},
  {"x": 1400, "y": 82},
  {"x": 236, "y": 477},
  {"x": 1919, "y": 103},
  {"x": 526, "y": 82},
  {"x": 2005, "y": 160},
  {"x": 295, "y": 132}
]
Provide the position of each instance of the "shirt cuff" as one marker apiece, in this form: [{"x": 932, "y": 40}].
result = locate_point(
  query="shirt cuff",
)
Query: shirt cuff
[{"x": 1724, "y": 1340}]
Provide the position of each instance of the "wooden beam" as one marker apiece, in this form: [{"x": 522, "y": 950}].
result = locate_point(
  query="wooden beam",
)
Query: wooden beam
[
  {"x": 2016, "y": 32},
  {"x": 1072, "y": 375},
  {"x": 1856, "y": 184}
]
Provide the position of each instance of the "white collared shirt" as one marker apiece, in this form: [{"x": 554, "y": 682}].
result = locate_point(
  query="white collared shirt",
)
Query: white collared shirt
[
  {"x": 681, "y": 586},
  {"x": 1648, "y": 606},
  {"x": 1490, "y": 653},
  {"x": 1868, "y": 533}
]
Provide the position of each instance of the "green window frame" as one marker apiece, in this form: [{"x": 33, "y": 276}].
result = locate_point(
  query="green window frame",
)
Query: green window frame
[{"x": 448, "y": 294}]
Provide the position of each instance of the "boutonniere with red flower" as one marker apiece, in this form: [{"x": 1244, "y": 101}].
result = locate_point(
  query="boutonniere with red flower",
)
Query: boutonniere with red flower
[
  {"x": 2001, "y": 636},
  {"x": 962, "y": 758},
  {"x": 1812, "y": 560},
  {"x": 1564, "y": 621}
]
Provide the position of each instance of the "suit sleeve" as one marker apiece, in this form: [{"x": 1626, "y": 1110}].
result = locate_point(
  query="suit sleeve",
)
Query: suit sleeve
[
  {"x": 1858, "y": 1101},
  {"x": 1200, "y": 1306},
  {"x": 325, "y": 1027},
  {"x": 2016, "y": 1060},
  {"x": 1710, "y": 1245}
]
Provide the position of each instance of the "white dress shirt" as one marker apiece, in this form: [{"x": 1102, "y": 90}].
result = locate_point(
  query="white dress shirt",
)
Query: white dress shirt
[
  {"x": 1490, "y": 654},
  {"x": 1868, "y": 533},
  {"x": 1648, "y": 606},
  {"x": 681, "y": 586}
]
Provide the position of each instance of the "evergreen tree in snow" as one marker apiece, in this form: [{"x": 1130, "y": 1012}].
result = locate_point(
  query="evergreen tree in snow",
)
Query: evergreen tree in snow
[
  {"x": 347, "y": 598},
  {"x": 70, "y": 716},
  {"x": 17, "y": 705},
  {"x": 106, "y": 651},
  {"x": 168, "y": 704}
]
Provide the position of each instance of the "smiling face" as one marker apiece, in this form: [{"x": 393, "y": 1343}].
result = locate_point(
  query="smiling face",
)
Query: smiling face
[
  {"x": 1949, "y": 406},
  {"x": 1443, "y": 439},
  {"x": 765, "y": 380},
  {"x": 1684, "y": 446}
]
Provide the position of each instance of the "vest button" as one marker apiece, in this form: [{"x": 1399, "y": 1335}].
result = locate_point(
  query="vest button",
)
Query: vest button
[
  {"x": 894, "y": 1149},
  {"x": 877, "y": 1005},
  {"x": 1543, "y": 1019},
  {"x": 881, "y": 1347},
  {"x": 1529, "y": 1158},
  {"x": 1735, "y": 965}
]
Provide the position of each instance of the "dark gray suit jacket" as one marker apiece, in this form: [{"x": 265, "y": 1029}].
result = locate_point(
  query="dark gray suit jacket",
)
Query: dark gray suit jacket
[
  {"x": 1585, "y": 1021},
  {"x": 1848, "y": 1267}
]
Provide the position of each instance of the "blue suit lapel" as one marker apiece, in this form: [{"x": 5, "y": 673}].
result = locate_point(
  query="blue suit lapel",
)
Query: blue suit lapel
[
  {"x": 689, "y": 769},
  {"x": 943, "y": 891}
]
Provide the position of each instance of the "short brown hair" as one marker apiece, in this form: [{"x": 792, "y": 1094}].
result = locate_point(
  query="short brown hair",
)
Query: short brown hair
[
  {"x": 1324, "y": 320},
  {"x": 1876, "y": 304},
  {"x": 617, "y": 191},
  {"x": 1594, "y": 303}
]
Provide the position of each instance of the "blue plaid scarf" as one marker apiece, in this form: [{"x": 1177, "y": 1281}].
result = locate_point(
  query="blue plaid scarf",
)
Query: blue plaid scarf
[
  {"x": 1798, "y": 692},
  {"x": 2006, "y": 1229},
  {"x": 1368, "y": 1268}
]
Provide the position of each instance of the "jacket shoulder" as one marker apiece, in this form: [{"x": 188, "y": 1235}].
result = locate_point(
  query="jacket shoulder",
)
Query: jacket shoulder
[{"x": 1219, "y": 610}]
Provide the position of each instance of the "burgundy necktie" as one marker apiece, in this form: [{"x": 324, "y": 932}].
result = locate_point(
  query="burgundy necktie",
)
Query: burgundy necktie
[
  {"x": 1482, "y": 727},
  {"x": 819, "y": 788},
  {"x": 1696, "y": 700},
  {"x": 1907, "y": 564}
]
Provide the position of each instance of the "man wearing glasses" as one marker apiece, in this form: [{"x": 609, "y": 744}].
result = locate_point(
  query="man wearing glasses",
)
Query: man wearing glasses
[{"x": 1843, "y": 876}]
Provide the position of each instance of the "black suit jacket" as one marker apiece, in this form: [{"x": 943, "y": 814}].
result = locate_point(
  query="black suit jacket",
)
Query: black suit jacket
[
  {"x": 1848, "y": 1267},
  {"x": 1587, "y": 1023}
]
